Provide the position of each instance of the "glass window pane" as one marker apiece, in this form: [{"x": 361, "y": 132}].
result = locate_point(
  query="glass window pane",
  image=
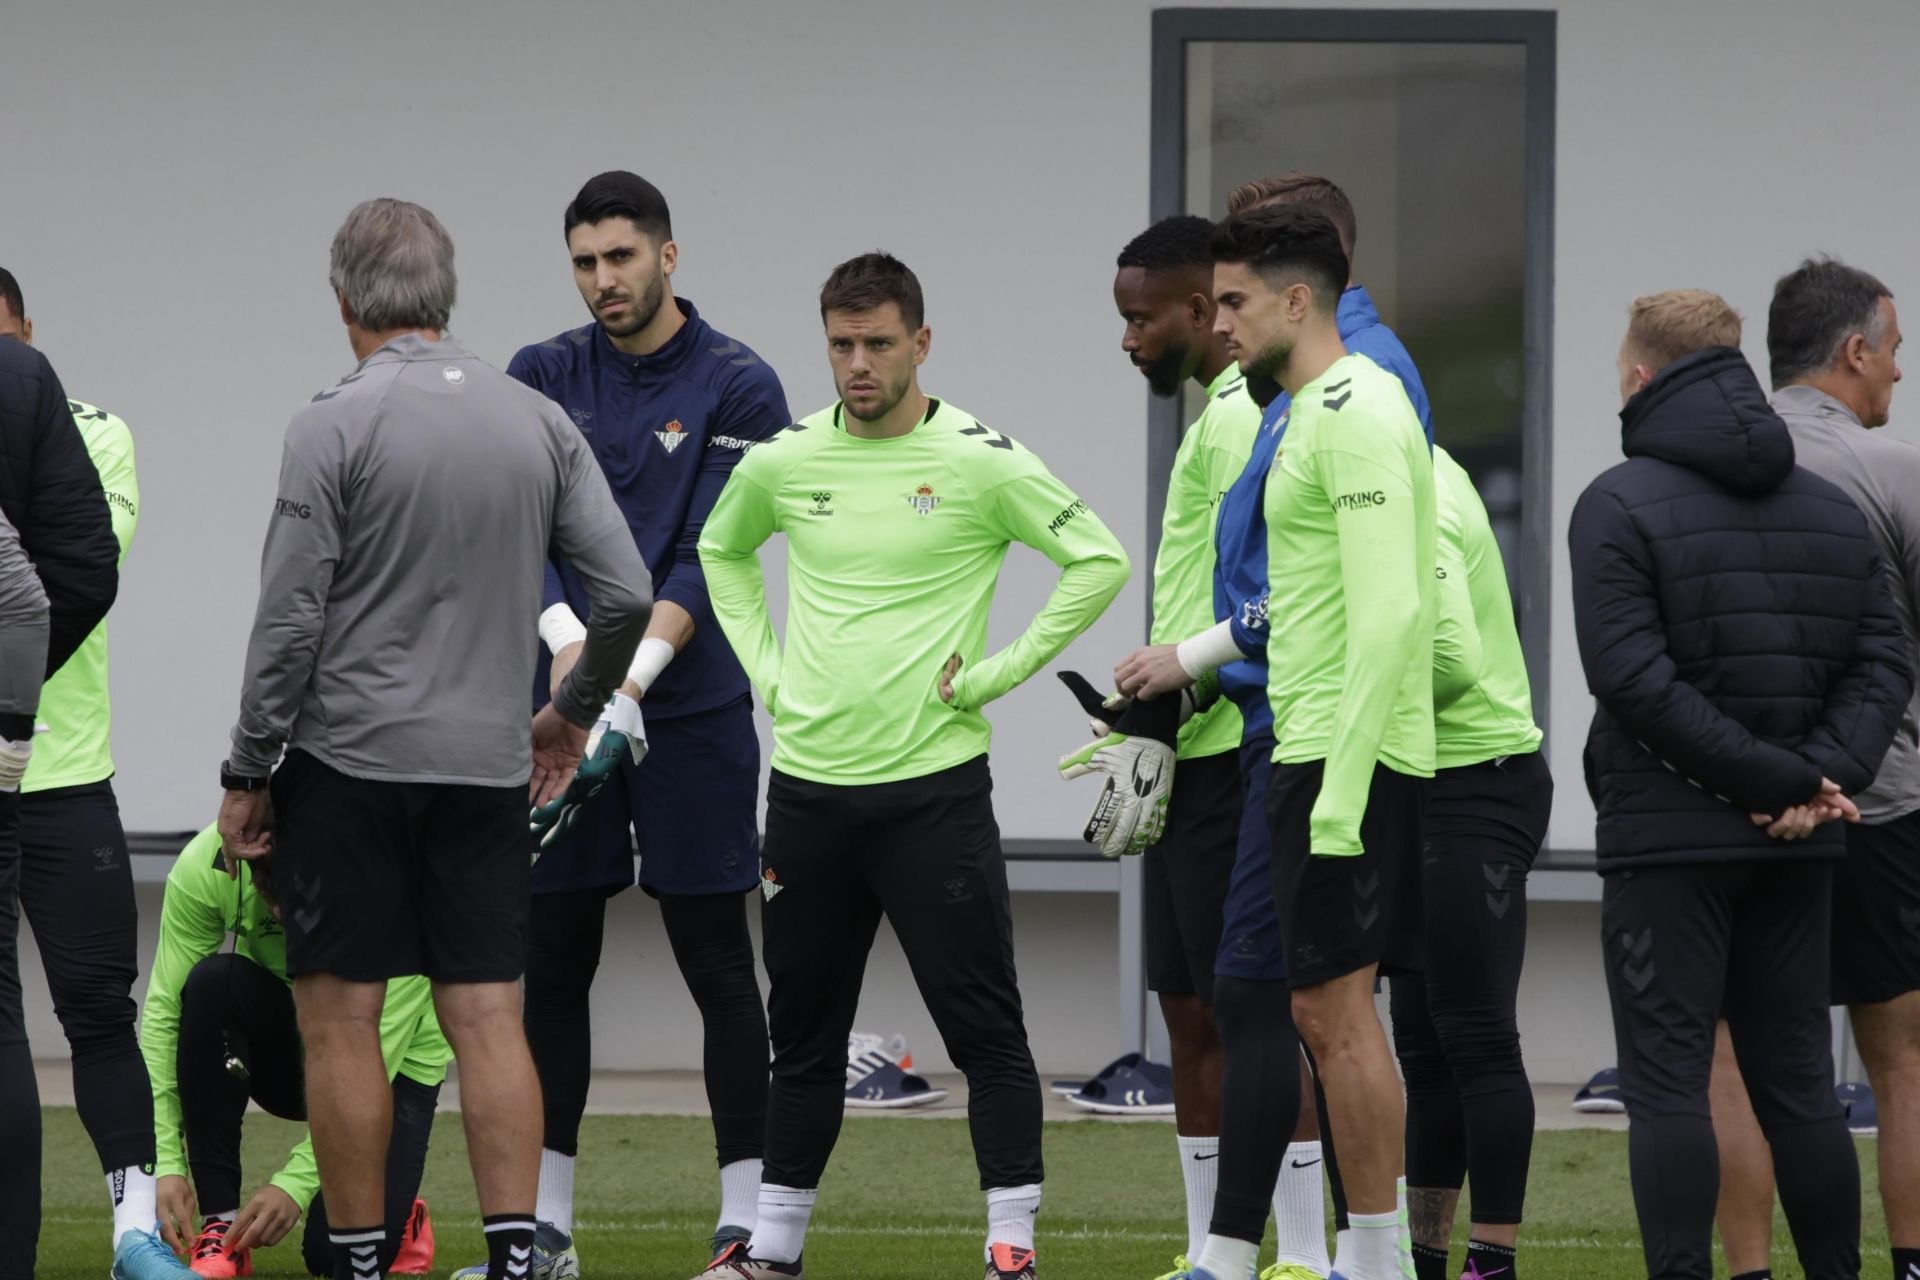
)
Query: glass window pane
[{"x": 1429, "y": 142}]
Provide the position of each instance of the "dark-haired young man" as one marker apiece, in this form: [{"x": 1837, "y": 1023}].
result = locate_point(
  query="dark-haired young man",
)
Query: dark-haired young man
[
  {"x": 669, "y": 405},
  {"x": 898, "y": 510},
  {"x": 1349, "y": 509},
  {"x": 1833, "y": 338}
]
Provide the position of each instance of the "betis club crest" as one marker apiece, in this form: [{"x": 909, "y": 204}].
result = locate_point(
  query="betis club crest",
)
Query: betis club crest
[
  {"x": 923, "y": 500},
  {"x": 671, "y": 435}
]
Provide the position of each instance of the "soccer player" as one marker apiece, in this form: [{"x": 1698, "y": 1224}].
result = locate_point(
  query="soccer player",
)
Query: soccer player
[
  {"x": 668, "y": 405},
  {"x": 217, "y": 1029},
  {"x": 1250, "y": 990},
  {"x": 1469, "y": 1104},
  {"x": 898, "y": 510},
  {"x": 390, "y": 659},
  {"x": 1833, "y": 336},
  {"x": 1738, "y": 635},
  {"x": 1350, "y": 552},
  {"x": 50, "y": 495},
  {"x": 76, "y": 884}
]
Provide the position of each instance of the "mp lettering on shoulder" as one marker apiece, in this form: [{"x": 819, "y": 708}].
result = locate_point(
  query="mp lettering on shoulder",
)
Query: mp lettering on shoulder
[
  {"x": 454, "y": 375},
  {"x": 923, "y": 500},
  {"x": 1360, "y": 501},
  {"x": 671, "y": 435}
]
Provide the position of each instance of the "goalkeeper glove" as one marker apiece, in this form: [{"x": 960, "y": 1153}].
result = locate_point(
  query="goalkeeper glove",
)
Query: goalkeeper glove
[
  {"x": 619, "y": 731},
  {"x": 1136, "y": 754}
]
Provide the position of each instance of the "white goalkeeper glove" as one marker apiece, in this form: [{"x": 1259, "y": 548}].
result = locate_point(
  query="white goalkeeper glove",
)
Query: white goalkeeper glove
[
  {"x": 1136, "y": 755},
  {"x": 618, "y": 731},
  {"x": 14, "y": 757}
]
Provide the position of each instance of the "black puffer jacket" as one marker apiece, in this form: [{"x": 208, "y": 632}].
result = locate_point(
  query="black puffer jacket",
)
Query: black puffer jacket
[
  {"x": 1735, "y": 625},
  {"x": 52, "y": 494}
]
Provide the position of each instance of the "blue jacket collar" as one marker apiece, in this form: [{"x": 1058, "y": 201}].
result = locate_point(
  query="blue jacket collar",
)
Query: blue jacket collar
[{"x": 1356, "y": 311}]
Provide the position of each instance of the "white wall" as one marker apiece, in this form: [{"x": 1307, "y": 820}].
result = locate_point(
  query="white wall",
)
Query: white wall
[{"x": 174, "y": 172}]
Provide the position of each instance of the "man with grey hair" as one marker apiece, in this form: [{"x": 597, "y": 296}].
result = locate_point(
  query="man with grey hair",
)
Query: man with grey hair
[
  {"x": 1833, "y": 339},
  {"x": 389, "y": 658}
]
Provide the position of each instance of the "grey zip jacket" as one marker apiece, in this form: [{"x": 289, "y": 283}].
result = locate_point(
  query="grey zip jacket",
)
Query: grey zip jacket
[{"x": 400, "y": 584}]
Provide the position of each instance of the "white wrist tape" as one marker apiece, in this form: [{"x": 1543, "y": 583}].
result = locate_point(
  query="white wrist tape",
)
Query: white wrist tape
[
  {"x": 560, "y": 627},
  {"x": 649, "y": 660},
  {"x": 1209, "y": 651}
]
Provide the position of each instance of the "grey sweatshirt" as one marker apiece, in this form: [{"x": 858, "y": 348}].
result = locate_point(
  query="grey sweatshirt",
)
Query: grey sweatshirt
[
  {"x": 1882, "y": 476},
  {"x": 400, "y": 584},
  {"x": 23, "y": 636}
]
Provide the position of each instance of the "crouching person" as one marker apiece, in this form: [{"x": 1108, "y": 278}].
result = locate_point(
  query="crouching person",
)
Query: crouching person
[{"x": 218, "y": 1030}]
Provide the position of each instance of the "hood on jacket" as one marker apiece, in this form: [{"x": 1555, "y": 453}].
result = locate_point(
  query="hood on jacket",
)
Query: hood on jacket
[{"x": 1707, "y": 413}]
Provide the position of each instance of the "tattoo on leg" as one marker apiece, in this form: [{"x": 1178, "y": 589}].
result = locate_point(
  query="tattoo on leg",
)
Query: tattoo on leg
[{"x": 1430, "y": 1215}]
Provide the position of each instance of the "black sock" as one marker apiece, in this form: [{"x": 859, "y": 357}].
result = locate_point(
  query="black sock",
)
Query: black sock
[
  {"x": 356, "y": 1252},
  {"x": 1906, "y": 1264},
  {"x": 1491, "y": 1259},
  {"x": 509, "y": 1245},
  {"x": 1765, "y": 1274},
  {"x": 1429, "y": 1263}
]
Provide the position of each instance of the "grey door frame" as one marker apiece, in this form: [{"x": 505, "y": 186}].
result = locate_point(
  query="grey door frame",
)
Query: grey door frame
[{"x": 1173, "y": 30}]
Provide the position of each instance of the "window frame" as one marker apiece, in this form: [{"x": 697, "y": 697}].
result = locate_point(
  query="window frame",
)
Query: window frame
[{"x": 1175, "y": 29}]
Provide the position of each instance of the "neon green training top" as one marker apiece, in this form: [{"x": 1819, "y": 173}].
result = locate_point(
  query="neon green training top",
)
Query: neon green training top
[
  {"x": 1482, "y": 702},
  {"x": 1350, "y": 563},
  {"x": 201, "y": 909},
  {"x": 76, "y": 748},
  {"x": 893, "y": 550},
  {"x": 1212, "y": 455}
]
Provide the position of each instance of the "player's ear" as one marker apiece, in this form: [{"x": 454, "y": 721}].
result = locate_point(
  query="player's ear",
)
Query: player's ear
[
  {"x": 1299, "y": 301},
  {"x": 669, "y": 257},
  {"x": 1200, "y": 311},
  {"x": 922, "y": 343}
]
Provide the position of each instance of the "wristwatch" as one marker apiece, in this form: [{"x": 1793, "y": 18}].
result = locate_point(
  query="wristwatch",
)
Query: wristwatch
[{"x": 231, "y": 781}]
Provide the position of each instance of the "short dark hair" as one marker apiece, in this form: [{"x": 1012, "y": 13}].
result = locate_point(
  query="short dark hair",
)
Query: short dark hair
[
  {"x": 1171, "y": 244},
  {"x": 10, "y": 294},
  {"x": 1816, "y": 308},
  {"x": 872, "y": 280},
  {"x": 619, "y": 194},
  {"x": 1296, "y": 186},
  {"x": 1287, "y": 244}
]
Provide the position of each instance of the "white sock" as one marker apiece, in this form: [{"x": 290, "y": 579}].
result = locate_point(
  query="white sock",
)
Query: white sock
[
  {"x": 1376, "y": 1246},
  {"x": 780, "y": 1231},
  {"x": 1200, "y": 1170},
  {"x": 1403, "y": 1239},
  {"x": 1343, "y": 1251},
  {"x": 1010, "y": 1215},
  {"x": 1299, "y": 1210},
  {"x": 739, "y": 1194},
  {"x": 135, "y": 1194},
  {"x": 555, "y": 1202},
  {"x": 225, "y": 1215},
  {"x": 1225, "y": 1258}
]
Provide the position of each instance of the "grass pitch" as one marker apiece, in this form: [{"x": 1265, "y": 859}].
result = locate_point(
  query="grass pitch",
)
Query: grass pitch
[{"x": 901, "y": 1201}]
